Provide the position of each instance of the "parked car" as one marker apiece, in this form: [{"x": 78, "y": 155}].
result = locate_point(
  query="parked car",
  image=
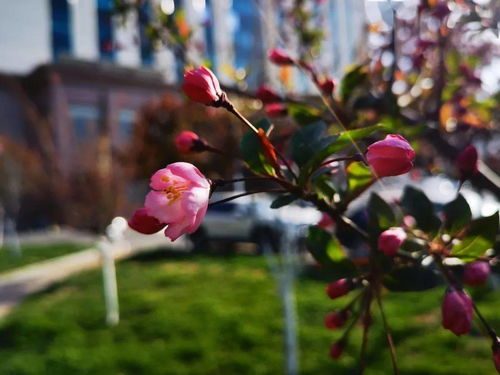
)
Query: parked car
[{"x": 250, "y": 219}]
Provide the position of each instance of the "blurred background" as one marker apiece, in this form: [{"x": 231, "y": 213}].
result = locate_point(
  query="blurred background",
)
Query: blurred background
[{"x": 90, "y": 103}]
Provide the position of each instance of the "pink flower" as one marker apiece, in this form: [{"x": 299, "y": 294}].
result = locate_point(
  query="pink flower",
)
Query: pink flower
[
  {"x": 476, "y": 273},
  {"x": 457, "y": 312},
  {"x": 267, "y": 95},
  {"x": 336, "y": 350},
  {"x": 202, "y": 86},
  {"x": 339, "y": 288},
  {"x": 326, "y": 221},
  {"x": 279, "y": 57},
  {"x": 496, "y": 355},
  {"x": 143, "y": 223},
  {"x": 390, "y": 240},
  {"x": 275, "y": 110},
  {"x": 179, "y": 198},
  {"x": 390, "y": 157},
  {"x": 336, "y": 319},
  {"x": 467, "y": 162},
  {"x": 327, "y": 86},
  {"x": 185, "y": 141}
]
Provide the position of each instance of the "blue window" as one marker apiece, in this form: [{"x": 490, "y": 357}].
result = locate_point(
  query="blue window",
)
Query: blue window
[
  {"x": 146, "y": 47},
  {"x": 126, "y": 118},
  {"x": 248, "y": 42},
  {"x": 61, "y": 40},
  {"x": 85, "y": 120},
  {"x": 209, "y": 33},
  {"x": 105, "y": 23}
]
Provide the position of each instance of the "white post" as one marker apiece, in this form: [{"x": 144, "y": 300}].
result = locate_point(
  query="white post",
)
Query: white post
[
  {"x": 109, "y": 282},
  {"x": 284, "y": 274}
]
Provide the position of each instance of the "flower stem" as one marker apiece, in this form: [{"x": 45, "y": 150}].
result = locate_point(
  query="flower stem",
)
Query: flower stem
[
  {"x": 244, "y": 194},
  {"x": 242, "y": 118},
  {"x": 366, "y": 330},
  {"x": 390, "y": 342}
]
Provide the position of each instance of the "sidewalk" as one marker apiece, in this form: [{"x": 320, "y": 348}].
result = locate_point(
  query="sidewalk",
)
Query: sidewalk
[{"x": 16, "y": 285}]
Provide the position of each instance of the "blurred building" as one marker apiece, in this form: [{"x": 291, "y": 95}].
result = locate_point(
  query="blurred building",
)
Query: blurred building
[{"x": 71, "y": 71}]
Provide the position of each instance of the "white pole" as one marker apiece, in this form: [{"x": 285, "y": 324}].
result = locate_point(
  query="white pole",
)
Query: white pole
[{"x": 109, "y": 283}]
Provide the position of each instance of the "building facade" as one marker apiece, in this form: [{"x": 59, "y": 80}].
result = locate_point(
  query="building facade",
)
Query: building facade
[{"x": 73, "y": 75}]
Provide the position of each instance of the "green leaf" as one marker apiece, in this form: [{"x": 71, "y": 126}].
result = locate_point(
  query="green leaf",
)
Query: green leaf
[
  {"x": 307, "y": 141},
  {"x": 252, "y": 152},
  {"x": 339, "y": 142},
  {"x": 359, "y": 176},
  {"x": 480, "y": 237},
  {"x": 457, "y": 214},
  {"x": 380, "y": 214},
  {"x": 354, "y": 79},
  {"x": 303, "y": 114},
  {"x": 328, "y": 252},
  {"x": 283, "y": 200},
  {"x": 412, "y": 279},
  {"x": 324, "y": 186},
  {"x": 416, "y": 204}
]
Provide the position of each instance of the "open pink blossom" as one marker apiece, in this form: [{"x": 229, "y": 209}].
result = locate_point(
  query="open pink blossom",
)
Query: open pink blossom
[
  {"x": 457, "y": 312},
  {"x": 179, "y": 198},
  {"x": 390, "y": 157},
  {"x": 202, "y": 86}
]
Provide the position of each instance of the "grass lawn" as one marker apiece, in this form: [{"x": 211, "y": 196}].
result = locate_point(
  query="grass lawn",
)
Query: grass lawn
[
  {"x": 36, "y": 253},
  {"x": 204, "y": 315}
]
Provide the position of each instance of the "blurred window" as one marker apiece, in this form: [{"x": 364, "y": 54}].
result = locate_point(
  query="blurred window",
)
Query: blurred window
[
  {"x": 208, "y": 19},
  {"x": 144, "y": 20},
  {"x": 105, "y": 24},
  {"x": 248, "y": 40},
  {"x": 61, "y": 39},
  {"x": 126, "y": 118},
  {"x": 85, "y": 122}
]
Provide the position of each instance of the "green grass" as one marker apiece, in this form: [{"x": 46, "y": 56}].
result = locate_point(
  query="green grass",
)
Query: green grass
[
  {"x": 35, "y": 253},
  {"x": 189, "y": 315}
]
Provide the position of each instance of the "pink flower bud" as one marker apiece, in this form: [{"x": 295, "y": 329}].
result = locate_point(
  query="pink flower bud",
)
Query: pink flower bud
[
  {"x": 390, "y": 157},
  {"x": 143, "y": 223},
  {"x": 467, "y": 162},
  {"x": 336, "y": 350},
  {"x": 279, "y": 57},
  {"x": 336, "y": 319},
  {"x": 457, "y": 312},
  {"x": 186, "y": 141},
  {"x": 276, "y": 110},
  {"x": 326, "y": 221},
  {"x": 179, "y": 198},
  {"x": 202, "y": 86},
  {"x": 496, "y": 355},
  {"x": 390, "y": 240},
  {"x": 327, "y": 86},
  {"x": 267, "y": 95},
  {"x": 476, "y": 273},
  {"x": 339, "y": 288}
]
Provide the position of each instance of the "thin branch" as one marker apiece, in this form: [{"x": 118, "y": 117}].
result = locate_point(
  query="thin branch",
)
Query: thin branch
[
  {"x": 287, "y": 164},
  {"x": 246, "y": 193},
  {"x": 242, "y": 118},
  {"x": 366, "y": 330},
  {"x": 390, "y": 342}
]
